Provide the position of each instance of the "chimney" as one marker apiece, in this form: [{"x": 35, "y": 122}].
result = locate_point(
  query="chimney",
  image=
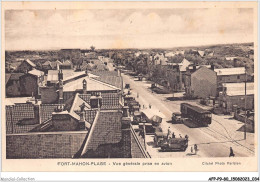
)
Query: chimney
[
  {"x": 84, "y": 82},
  {"x": 82, "y": 112},
  {"x": 212, "y": 67},
  {"x": 118, "y": 72},
  {"x": 59, "y": 108},
  {"x": 96, "y": 101},
  {"x": 60, "y": 77},
  {"x": 126, "y": 111},
  {"x": 86, "y": 71},
  {"x": 235, "y": 62},
  {"x": 194, "y": 67}
]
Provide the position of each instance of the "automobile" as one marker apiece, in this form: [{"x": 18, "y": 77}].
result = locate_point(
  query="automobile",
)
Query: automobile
[
  {"x": 137, "y": 118},
  {"x": 159, "y": 138},
  {"x": 176, "y": 118},
  {"x": 174, "y": 144}
]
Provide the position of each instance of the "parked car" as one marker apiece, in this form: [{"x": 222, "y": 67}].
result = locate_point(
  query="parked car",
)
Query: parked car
[
  {"x": 176, "y": 118},
  {"x": 159, "y": 138}
]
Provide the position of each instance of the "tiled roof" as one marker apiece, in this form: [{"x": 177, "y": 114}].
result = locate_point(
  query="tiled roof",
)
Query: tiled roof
[
  {"x": 90, "y": 115},
  {"x": 109, "y": 100},
  {"x": 16, "y": 113},
  {"x": 230, "y": 71},
  {"x": 85, "y": 97},
  {"x": 72, "y": 114},
  {"x": 110, "y": 77},
  {"x": 77, "y": 103},
  {"x": 110, "y": 107},
  {"x": 71, "y": 107},
  {"x": 46, "y": 111},
  {"x": 106, "y": 129},
  {"x": 235, "y": 89},
  {"x": 112, "y": 80},
  {"x": 68, "y": 103}
]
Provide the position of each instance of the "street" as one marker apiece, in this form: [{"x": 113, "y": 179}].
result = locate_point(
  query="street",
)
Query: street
[{"x": 213, "y": 141}]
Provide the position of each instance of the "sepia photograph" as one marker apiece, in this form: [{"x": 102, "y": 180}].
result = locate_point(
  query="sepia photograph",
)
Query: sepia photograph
[{"x": 155, "y": 81}]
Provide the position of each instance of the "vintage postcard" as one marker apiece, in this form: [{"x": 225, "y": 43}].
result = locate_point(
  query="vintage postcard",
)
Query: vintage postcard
[{"x": 129, "y": 86}]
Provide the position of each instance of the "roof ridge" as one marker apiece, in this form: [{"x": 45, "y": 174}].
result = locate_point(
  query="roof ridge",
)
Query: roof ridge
[
  {"x": 84, "y": 150},
  {"x": 74, "y": 102}
]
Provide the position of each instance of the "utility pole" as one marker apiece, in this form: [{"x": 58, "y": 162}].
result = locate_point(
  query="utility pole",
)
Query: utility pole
[
  {"x": 245, "y": 106},
  {"x": 144, "y": 135},
  {"x": 11, "y": 112}
]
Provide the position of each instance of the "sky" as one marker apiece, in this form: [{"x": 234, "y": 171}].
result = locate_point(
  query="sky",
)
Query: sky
[{"x": 126, "y": 28}]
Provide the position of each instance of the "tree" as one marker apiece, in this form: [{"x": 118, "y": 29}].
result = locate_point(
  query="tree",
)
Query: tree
[{"x": 92, "y": 48}]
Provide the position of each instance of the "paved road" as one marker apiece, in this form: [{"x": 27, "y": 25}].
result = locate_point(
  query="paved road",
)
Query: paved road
[{"x": 212, "y": 141}]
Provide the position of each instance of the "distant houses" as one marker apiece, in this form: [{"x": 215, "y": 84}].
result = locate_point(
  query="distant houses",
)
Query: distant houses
[
  {"x": 30, "y": 82},
  {"x": 24, "y": 84},
  {"x": 51, "y": 65},
  {"x": 26, "y": 66},
  {"x": 66, "y": 65},
  {"x": 17, "y": 86},
  {"x": 181, "y": 71},
  {"x": 159, "y": 59},
  {"x": 12, "y": 84}
]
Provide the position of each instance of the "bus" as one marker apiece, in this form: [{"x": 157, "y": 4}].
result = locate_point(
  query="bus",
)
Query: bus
[{"x": 196, "y": 115}]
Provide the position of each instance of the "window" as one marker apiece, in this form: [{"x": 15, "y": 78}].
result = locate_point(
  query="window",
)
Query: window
[{"x": 238, "y": 77}]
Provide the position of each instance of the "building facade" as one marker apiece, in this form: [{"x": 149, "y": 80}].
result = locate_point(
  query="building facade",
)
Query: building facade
[
  {"x": 233, "y": 94},
  {"x": 202, "y": 83}
]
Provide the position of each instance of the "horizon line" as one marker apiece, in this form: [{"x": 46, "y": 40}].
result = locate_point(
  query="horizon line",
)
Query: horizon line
[{"x": 54, "y": 49}]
